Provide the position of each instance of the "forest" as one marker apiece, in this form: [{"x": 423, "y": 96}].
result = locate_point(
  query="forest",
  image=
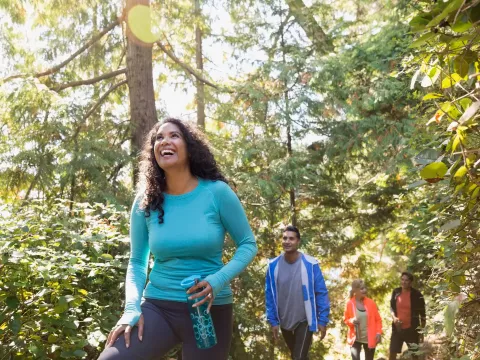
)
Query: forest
[{"x": 354, "y": 120}]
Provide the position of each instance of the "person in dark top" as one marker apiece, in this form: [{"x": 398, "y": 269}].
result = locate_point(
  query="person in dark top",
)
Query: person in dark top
[{"x": 407, "y": 307}]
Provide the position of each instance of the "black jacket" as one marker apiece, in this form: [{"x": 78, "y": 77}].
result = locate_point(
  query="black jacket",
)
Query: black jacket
[{"x": 417, "y": 303}]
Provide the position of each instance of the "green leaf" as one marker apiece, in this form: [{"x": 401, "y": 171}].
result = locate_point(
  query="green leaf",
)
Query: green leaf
[
  {"x": 460, "y": 173},
  {"x": 83, "y": 292},
  {"x": 436, "y": 170},
  {"x": 446, "y": 106},
  {"x": 419, "y": 22},
  {"x": 52, "y": 338},
  {"x": 80, "y": 353},
  {"x": 452, "y": 6},
  {"x": 475, "y": 193},
  {"x": 61, "y": 306},
  {"x": 461, "y": 66},
  {"x": 465, "y": 103},
  {"x": 459, "y": 187},
  {"x": 12, "y": 302},
  {"x": 15, "y": 325},
  {"x": 449, "y": 81},
  {"x": 107, "y": 256},
  {"x": 456, "y": 142},
  {"x": 460, "y": 27},
  {"x": 432, "y": 96},
  {"x": 422, "y": 40}
]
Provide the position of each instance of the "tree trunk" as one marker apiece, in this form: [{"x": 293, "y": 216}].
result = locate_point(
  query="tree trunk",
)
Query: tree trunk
[
  {"x": 304, "y": 17},
  {"x": 293, "y": 209},
  {"x": 199, "y": 57},
  {"x": 143, "y": 114}
]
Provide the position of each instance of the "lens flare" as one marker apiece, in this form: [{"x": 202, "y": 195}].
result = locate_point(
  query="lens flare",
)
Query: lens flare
[{"x": 140, "y": 24}]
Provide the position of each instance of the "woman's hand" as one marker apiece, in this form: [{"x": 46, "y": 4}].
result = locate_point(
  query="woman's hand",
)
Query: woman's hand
[
  {"x": 206, "y": 293},
  {"x": 379, "y": 338},
  {"x": 355, "y": 321},
  {"x": 126, "y": 329}
]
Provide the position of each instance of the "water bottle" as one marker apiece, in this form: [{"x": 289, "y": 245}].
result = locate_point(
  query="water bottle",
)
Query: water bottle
[{"x": 202, "y": 323}]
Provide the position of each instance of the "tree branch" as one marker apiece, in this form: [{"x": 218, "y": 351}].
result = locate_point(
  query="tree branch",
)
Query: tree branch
[
  {"x": 263, "y": 204},
  {"x": 102, "y": 98},
  {"x": 109, "y": 75},
  {"x": 306, "y": 20},
  {"x": 54, "y": 69},
  {"x": 188, "y": 68}
]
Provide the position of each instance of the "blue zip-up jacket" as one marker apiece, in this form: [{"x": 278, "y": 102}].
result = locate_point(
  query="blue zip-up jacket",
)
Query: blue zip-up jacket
[{"x": 315, "y": 294}]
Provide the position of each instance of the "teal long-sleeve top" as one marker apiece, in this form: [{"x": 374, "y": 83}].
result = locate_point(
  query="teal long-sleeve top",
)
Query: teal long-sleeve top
[{"x": 189, "y": 242}]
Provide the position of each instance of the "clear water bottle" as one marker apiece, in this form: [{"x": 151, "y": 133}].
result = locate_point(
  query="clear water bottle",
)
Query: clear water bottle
[{"x": 202, "y": 323}]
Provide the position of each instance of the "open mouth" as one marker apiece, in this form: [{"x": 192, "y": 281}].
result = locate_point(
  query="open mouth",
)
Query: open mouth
[{"x": 167, "y": 152}]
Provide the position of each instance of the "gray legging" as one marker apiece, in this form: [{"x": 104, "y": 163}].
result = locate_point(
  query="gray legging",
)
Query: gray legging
[
  {"x": 356, "y": 349},
  {"x": 168, "y": 323}
]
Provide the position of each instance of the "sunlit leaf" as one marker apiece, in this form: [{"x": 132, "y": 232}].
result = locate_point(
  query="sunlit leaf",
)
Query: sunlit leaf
[
  {"x": 461, "y": 172},
  {"x": 432, "y": 96},
  {"x": 436, "y": 170},
  {"x": 422, "y": 39},
  {"x": 449, "y": 81}
]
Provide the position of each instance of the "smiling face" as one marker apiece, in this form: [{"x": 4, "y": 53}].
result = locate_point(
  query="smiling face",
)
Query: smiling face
[
  {"x": 170, "y": 147},
  {"x": 290, "y": 242},
  {"x": 361, "y": 291}
]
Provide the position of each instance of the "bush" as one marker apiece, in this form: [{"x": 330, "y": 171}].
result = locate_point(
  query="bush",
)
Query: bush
[{"x": 61, "y": 278}]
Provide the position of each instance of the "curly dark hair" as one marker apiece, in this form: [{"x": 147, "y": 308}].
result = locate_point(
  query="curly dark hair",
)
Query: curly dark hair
[{"x": 152, "y": 177}]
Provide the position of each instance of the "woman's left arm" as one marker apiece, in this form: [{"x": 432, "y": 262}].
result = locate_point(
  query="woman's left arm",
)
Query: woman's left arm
[{"x": 235, "y": 221}]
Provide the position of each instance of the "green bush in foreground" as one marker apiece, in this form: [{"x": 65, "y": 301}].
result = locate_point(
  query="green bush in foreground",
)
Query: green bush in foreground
[{"x": 61, "y": 278}]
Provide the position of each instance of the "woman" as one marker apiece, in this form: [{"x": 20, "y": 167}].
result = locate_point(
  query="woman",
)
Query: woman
[
  {"x": 363, "y": 321},
  {"x": 181, "y": 217}
]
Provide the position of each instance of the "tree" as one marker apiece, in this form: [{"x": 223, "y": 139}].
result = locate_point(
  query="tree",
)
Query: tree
[
  {"x": 140, "y": 78},
  {"x": 444, "y": 61}
]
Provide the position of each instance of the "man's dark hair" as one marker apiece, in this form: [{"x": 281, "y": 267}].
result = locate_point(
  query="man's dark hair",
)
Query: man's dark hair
[
  {"x": 293, "y": 229},
  {"x": 407, "y": 274}
]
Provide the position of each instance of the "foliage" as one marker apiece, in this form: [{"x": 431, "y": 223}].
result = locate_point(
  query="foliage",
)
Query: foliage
[
  {"x": 319, "y": 135},
  {"x": 60, "y": 270},
  {"x": 445, "y": 62}
]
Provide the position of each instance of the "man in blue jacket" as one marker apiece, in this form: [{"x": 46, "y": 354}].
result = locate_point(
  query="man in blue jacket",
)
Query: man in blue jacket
[{"x": 296, "y": 296}]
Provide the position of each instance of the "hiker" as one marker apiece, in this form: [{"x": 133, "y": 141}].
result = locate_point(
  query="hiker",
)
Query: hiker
[
  {"x": 296, "y": 296},
  {"x": 364, "y": 322},
  {"x": 407, "y": 307},
  {"x": 182, "y": 211}
]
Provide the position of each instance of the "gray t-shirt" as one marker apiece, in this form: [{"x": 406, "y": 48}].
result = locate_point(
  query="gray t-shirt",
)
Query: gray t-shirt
[{"x": 291, "y": 307}]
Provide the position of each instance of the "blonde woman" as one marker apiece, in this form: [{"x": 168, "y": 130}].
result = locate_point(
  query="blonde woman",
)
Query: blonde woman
[{"x": 363, "y": 321}]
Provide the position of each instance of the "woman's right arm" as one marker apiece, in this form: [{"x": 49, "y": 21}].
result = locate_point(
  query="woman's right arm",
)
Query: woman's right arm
[
  {"x": 137, "y": 266},
  {"x": 135, "y": 279},
  {"x": 348, "y": 317}
]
